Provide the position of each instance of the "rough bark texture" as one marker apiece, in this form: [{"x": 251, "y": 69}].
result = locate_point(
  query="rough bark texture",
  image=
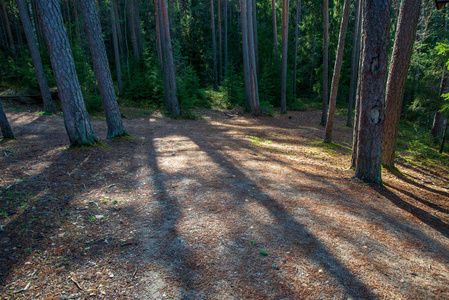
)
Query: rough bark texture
[
  {"x": 256, "y": 39},
  {"x": 285, "y": 9},
  {"x": 4, "y": 125},
  {"x": 214, "y": 44},
  {"x": 169, "y": 57},
  {"x": 375, "y": 31},
  {"x": 337, "y": 72},
  {"x": 226, "y": 38},
  {"x": 325, "y": 87},
  {"x": 118, "y": 68},
  {"x": 354, "y": 61},
  {"x": 101, "y": 69},
  {"x": 295, "y": 53},
  {"x": 220, "y": 44},
  {"x": 245, "y": 51},
  {"x": 252, "y": 60},
  {"x": 397, "y": 77},
  {"x": 443, "y": 140},
  {"x": 76, "y": 119},
  {"x": 35, "y": 55},
  {"x": 438, "y": 119},
  {"x": 275, "y": 30},
  {"x": 8, "y": 30}
]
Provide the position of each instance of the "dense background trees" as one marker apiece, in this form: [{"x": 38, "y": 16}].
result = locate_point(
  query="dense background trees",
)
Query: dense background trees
[{"x": 182, "y": 54}]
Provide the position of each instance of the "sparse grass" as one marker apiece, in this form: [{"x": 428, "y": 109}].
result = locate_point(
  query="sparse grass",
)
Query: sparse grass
[{"x": 332, "y": 148}]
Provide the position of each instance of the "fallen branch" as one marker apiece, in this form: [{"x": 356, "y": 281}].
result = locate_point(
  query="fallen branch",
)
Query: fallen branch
[
  {"x": 76, "y": 283},
  {"x": 24, "y": 289}
]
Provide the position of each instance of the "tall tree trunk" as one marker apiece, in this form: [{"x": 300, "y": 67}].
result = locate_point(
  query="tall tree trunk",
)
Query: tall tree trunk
[
  {"x": 76, "y": 119},
  {"x": 252, "y": 60},
  {"x": 4, "y": 125},
  {"x": 285, "y": 10},
  {"x": 8, "y": 31},
  {"x": 375, "y": 32},
  {"x": 162, "y": 55},
  {"x": 118, "y": 68},
  {"x": 245, "y": 51},
  {"x": 355, "y": 61},
  {"x": 443, "y": 140},
  {"x": 220, "y": 44},
  {"x": 120, "y": 38},
  {"x": 337, "y": 72},
  {"x": 133, "y": 30},
  {"x": 137, "y": 27},
  {"x": 397, "y": 77},
  {"x": 214, "y": 44},
  {"x": 226, "y": 38},
  {"x": 169, "y": 57},
  {"x": 35, "y": 55},
  {"x": 438, "y": 120},
  {"x": 295, "y": 55},
  {"x": 101, "y": 69},
  {"x": 256, "y": 40},
  {"x": 275, "y": 30},
  {"x": 325, "y": 87}
]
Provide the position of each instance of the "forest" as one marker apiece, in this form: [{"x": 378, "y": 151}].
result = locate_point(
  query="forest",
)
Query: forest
[{"x": 224, "y": 149}]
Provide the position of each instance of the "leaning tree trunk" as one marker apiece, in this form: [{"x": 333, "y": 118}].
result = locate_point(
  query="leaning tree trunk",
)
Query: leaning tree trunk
[
  {"x": 118, "y": 68},
  {"x": 355, "y": 61},
  {"x": 76, "y": 119},
  {"x": 375, "y": 32},
  {"x": 337, "y": 72},
  {"x": 295, "y": 55},
  {"x": 35, "y": 55},
  {"x": 325, "y": 88},
  {"x": 4, "y": 124},
  {"x": 400, "y": 61},
  {"x": 101, "y": 69},
  {"x": 285, "y": 9}
]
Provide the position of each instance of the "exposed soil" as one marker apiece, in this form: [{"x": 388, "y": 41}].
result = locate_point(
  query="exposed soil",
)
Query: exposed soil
[{"x": 216, "y": 208}]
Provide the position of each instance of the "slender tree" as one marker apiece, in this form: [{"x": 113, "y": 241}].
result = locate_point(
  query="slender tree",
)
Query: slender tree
[
  {"x": 375, "y": 32},
  {"x": 35, "y": 55},
  {"x": 337, "y": 71},
  {"x": 226, "y": 38},
  {"x": 252, "y": 59},
  {"x": 325, "y": 88},
  {"x": 275, "y": 30},
  {"x": 355, "y": 61},
  {"x": 220, "y": 44},
  {"x": 214, "y": 44},
  {"x": 133, "y": 29},
  {"x": 295, "y": 53},
  {"x": 8, "y": 31},
  {"x": 397, "y": 77},
  {"x": 438, "y": 119},
  {"x": 285, "y": 9},
  {"x": 76, "y": 119},
  {"x": 101, "y": 69},
  {"x": 118, "y": 68},
  {"x": 245, "y": 51},
  {"x": 4, "y": 125}
]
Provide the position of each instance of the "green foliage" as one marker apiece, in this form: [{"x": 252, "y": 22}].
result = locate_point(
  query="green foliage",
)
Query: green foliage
[
  {"x": 297, "y": 105},
  {"x": 189, "y": 93},
  {"x": 233, "y": 90}
]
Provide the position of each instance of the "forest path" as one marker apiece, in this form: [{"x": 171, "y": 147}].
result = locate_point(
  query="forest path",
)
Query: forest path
[{"x": 216, "y": 208}]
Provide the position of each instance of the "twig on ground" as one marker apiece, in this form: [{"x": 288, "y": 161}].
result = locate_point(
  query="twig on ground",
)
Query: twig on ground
[{"x": 76, "y": 283}]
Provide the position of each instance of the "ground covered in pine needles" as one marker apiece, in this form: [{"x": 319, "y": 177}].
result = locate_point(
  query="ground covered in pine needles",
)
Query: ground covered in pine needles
[{"x": 223, "y": 207}]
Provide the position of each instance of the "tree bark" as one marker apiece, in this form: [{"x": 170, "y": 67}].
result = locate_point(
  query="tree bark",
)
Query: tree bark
[
  {"x": 400, "y": 62},
  {"x": 443, "y": 140},
  {"x": 375, "y": 32},
  {"x": 337, "y": 72},
  {"x": 355, "y": 61},
  {"x": 256, "y": 40},
  {"x": 214, "y": 44},
  {"x": 275, "y": 30},
  {"x": 35, "y": 55},
  {"x": 76, "y": 119},
  {"x": 295, "y": 55},
  {"x": 101, "y": 69},
  {"x": 8, "y": 31},
  {"x": 285, "y": 10},
  {"x": 325, "y": 87},
  {"x": 132, "y": 28},
  {"x": 4, "y": 125},
  {"x": 220, "y": 44},
  {"x": 245, "y": 51},
  {"x": 169, "y": 56},
  {"x": 118, "y": 68},
  {"x": 226, "y": 38},
  {"x": 252, "y": 60},
  {"x": 438, "y": 120}
]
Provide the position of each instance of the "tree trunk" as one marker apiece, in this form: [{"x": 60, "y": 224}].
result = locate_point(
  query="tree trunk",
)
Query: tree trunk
[
  {"x": 295, "y": 55},
  {"x": 169, "y": 56},
  {"x": 438, "y": 120},
  {"x": 8, "y": 31},
  {"x": 275, "y": 30},
  {"x": 337, "y": 71},
  {"x": 133, "y": 30},
  {"x": 120, "y": 38},
  {"x": 375, "y": 32},
  {"x": 35, "y": 55},
  {"x": 101, "y": 69},
  {"x": 444, "y": 138},
  {"x": 256, "y": 40},
  {"x": 226, "y": 38},
  {"x": 118, "y": 68},
  {"x": 325, "y": 87},
  {"x": 245, "y": 51},
  {"x": 220, "y": 44},
  {"x": 76, "y": 119},
  {"x": 355, "y": 61},
  {"x": 285, "y": 10},
  {"x": 137, "y": 27},
  {"x": 252, "y": 60},
  {"x": 397, "y": 77},
  {"x": 4, "y": 125},
  {"x": 214, "y": 44}
]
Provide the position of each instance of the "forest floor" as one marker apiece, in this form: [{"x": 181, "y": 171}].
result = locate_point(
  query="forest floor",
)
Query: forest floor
[{"x": 215, "y": 208}]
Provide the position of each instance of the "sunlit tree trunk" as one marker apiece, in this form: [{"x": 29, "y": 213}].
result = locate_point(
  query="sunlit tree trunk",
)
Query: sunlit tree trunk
[
  {"x": 35, "y": 55},
  {"x": 285, "y": 9},
  {"x": 245, "y": 51},
  {"x": 397, "y": 77},
  {"x": 76, "y": 119},
  {"x": 252, "y": 60},
  {"x": 4, "y": 125},
  {"x": 256, "y": 40},
  {"x": 375, "y": 33},
  {"x": 337, "y": 72},
  {"x": 295, "y": 55},
  {"x": 101, "y": 69},
  {"x": 355, "y": 61},
  {"x": 325, "y": 87}
]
